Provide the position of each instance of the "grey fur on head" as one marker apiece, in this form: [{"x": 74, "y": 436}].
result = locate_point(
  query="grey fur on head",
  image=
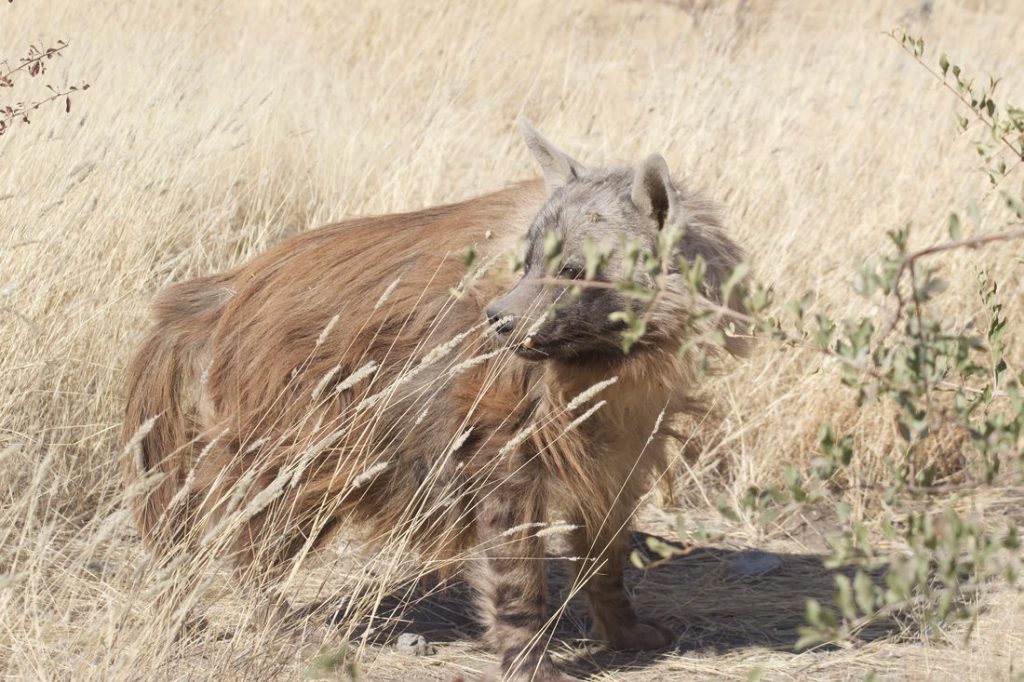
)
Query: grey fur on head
[{"x": 619, "y": 208}]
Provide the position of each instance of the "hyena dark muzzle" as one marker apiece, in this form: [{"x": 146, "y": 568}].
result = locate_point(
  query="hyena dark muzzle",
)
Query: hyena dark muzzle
[{"x": 549, "y": 318}]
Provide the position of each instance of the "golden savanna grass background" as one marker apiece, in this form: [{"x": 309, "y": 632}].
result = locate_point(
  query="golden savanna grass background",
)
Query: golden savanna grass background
[{"x": 214, "y": 129}]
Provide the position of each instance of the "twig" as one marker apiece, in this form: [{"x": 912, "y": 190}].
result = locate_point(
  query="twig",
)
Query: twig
[
  {"x": 1019, "y": 153},
  {"x": 27, "y": 62},
  {"x": 12, "y": 114},
  {"x": 910, "y": 258},
  {"x": 595, "y": 284}
]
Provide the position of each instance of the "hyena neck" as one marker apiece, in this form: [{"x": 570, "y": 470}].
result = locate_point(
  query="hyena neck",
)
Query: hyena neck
[{"x": 638, "y": 392}]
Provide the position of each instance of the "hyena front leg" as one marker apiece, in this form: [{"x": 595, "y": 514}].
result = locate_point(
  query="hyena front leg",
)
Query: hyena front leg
[
  {"x": 509, "y": 577},
  {"x": 601, "y": 544}
]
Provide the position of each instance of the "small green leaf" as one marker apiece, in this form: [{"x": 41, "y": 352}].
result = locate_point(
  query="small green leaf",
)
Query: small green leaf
[
  {"x": 1015, "y": 203},
  {"x": 955, "y": 228},
  {"x": 808, "y": 638},
  {"x": 469, "y": 257},
  {"x": 552, "y": 250},
  {"x": 735, "y": 277},
  {"x": 844, "y": 597},
  {"x": 864, "y": 591},
  {"x": 813, "y": 612}
]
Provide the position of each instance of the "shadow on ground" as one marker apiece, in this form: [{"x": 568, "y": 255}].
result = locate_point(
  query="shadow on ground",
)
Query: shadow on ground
[{"x": 711, "y": 609}]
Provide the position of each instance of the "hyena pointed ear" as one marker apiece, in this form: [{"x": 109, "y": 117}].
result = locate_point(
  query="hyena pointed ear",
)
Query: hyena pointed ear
[
  {"x": 558, "y": 167},
  {"x": 653, "y": 193}
]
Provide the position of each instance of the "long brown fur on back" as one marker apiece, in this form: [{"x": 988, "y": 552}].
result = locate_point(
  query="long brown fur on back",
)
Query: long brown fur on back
[{"x": 349, "y": 375}]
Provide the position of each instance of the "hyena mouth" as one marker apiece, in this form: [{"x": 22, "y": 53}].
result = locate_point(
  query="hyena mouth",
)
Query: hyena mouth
[
  {"x": 530, "y": 349},
  {"x": 508, "y": 332},
  {"x": 525, "y": 346}
]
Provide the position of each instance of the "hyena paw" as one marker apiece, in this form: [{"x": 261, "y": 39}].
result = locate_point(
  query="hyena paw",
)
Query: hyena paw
[{"x": 642, "y": 636}]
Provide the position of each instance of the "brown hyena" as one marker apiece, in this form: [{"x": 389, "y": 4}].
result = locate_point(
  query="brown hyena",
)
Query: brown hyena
[{"x": 351, "y": 376}]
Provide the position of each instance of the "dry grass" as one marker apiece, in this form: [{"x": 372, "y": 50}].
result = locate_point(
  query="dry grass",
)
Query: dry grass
[{"x": 215, "y": 129}]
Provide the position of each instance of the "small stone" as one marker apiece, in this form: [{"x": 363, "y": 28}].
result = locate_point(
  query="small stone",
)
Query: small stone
[
  {"x": 413, "y": 645},
  {"x": 754, "y": 564}
]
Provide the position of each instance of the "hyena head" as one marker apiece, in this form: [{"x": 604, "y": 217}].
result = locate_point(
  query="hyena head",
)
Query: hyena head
[{"x": 606, "y": 226}]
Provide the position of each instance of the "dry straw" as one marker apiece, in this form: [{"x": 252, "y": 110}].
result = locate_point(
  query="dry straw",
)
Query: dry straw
[{"x": 132, "y": 190}]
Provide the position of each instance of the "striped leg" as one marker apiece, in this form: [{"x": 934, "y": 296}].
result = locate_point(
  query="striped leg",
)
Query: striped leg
[{"x": 510, "y": 579}]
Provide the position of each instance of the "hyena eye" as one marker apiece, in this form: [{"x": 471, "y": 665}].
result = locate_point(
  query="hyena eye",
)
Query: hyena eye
[{"x": 570, "y": 272}]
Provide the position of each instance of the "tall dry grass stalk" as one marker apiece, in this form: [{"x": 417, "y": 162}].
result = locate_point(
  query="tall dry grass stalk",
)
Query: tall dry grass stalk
[{"x": 216, "y": 129}]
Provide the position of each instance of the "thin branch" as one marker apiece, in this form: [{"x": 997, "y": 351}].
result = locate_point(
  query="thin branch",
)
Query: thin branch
[
  {"x": 910, "y": 258},
  {"x": 1019, "y": 153},
  {"x": 27, "y": 62}
]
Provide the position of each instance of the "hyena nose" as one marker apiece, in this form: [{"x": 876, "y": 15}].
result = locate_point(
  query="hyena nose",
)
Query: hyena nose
[{"x": 502, "y": 322}]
